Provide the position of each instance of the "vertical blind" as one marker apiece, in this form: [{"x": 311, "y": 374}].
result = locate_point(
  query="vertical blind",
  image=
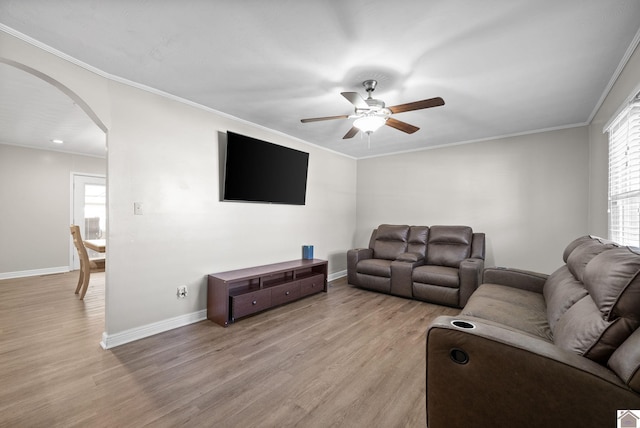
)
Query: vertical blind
[{"x": 624, "y": 175}]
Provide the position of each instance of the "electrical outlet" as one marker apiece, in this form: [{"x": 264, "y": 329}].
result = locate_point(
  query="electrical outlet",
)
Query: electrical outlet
[{"x": 182, "y": 292}]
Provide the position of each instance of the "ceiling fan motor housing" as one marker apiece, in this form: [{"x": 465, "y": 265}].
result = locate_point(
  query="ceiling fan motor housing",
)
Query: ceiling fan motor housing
[
  {"x": 376, "y": 107},
  {"x": 375, "y": 104}
]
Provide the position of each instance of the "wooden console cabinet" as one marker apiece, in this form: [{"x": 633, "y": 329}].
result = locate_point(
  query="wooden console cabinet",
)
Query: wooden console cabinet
[{"x": 239, "y": 293}]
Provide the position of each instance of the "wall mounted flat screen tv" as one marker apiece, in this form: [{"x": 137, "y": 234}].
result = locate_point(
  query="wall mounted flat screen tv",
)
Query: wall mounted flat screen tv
[{"x": 258, "y": 171}]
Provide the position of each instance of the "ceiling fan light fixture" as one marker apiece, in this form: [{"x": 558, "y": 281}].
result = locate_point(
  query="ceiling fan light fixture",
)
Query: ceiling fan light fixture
[{"x": 369, "y": 124}]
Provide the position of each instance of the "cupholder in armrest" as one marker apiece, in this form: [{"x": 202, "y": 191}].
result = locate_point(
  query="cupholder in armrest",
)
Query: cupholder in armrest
[{"x": 462, "y": 324}]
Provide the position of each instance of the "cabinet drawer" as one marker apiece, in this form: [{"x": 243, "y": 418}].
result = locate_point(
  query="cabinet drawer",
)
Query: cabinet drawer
[
  {"x": 285, "y": 293},
  {"x": 311, "y": 285},
  {"x": 247, "y": 304}
]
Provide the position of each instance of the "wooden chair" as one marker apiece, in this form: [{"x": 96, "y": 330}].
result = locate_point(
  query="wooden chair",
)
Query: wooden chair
[{"x": 86, "y": 264}]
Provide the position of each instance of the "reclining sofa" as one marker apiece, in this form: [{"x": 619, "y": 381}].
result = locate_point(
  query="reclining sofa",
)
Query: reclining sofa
[
  {"x": 437, "y": 264},
  {"x": 536, "y": 350}
]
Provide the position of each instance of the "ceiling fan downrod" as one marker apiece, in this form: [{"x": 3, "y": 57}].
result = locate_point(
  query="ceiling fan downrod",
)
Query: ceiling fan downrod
[{"x": 370, "y": 86}]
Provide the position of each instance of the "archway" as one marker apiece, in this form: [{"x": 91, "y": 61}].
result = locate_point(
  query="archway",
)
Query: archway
[
  {"x": 30, "y": 81},
  {"x": 71, "y": 94}
]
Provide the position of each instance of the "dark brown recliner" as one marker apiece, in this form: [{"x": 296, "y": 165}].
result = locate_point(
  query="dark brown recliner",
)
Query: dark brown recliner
[
  {"x": 438, "y": 264},
  {"x": 453, "y": 268},
  {"x": 371, "y": 267},
  {"x": 537, "y": 350}
]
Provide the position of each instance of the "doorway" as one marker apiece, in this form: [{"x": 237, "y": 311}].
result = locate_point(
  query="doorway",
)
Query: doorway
[{"x": 89, "y": 210}]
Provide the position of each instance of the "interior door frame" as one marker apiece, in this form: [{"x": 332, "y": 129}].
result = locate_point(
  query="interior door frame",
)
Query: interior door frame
[{"x": 74, "y": 262}]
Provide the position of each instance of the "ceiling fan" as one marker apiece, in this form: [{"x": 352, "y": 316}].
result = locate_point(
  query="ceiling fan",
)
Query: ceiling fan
[{"x": 371, "y": 114}]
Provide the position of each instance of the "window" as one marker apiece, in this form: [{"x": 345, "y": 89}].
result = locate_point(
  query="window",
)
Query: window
[{"x": 624, "y": 175}]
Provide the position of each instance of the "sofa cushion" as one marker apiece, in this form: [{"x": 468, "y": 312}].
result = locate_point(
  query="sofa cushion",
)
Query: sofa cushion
[
  {"x": 376, "y": 267},
  {"x": 625, "y": 361},
  {"x": 437, "y": 275},
  {"x": 390, "y": 241},
  {"x": 583, "y": 330},
  {"x": 583, "y": 254},
  {"x": 435, "y": 294},
  {"x": 573, "y": 244},
  {"x": 417, "y": 241},
  {"x": 513, "y": 307},
  {"x": 561, "y": 291},
  {"x": 449, "y": 245},
  {"x": 612, "y": 279}
]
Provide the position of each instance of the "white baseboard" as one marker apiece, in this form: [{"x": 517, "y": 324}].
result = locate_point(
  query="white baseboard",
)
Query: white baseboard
[
  {"x": 336, "y": 275},
  {"x": 112, "y": 340},
  {"x": 34, "y": 272}
]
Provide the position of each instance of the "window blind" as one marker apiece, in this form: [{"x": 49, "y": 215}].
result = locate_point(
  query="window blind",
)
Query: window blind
[{"x": 624, "y": 175}]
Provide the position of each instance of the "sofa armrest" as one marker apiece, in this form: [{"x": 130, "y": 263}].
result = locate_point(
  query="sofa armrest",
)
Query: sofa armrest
[
  {"x": 353, "y": 257},
  {"x": 416, "y": 258},
  {"x": 470, "y": 278},
  {"x": 516, "y": 278},
  {"x": 401, "y": 274},
  {"x": 512, "y": 378}
]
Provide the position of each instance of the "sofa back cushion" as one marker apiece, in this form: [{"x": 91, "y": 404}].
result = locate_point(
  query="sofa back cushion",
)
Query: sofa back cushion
[
  {"x": 449, "y": 245},
  {"x": 573, "y": 244},
  {"x": 625, "y": 361},
  {"x": 583, "y": 330},
  {"x": 597, "y": 324},
  {"x": 564, "y": 287},
  {"x": 390, "y": 241},
  {"x": 583, "y": 253},
  {"x": 417, "y": 241},
  {"x": 612, "y": 278},
  {"x": 561, "y": 291}
]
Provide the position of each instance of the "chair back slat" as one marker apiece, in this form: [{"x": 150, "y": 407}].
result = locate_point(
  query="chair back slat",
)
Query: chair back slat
[{"x": 77, "y": 241}]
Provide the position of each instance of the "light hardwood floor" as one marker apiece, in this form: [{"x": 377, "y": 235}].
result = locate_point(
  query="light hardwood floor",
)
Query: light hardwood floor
[{"x": 346, "y": 358}]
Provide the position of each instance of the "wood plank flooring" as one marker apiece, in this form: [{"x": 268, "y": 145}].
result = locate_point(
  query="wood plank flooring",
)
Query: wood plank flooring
[{"x": 346, "y": 358}]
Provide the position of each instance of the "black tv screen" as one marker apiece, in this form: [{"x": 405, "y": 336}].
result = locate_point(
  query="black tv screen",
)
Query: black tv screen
[{"x": 258, "y": 171}]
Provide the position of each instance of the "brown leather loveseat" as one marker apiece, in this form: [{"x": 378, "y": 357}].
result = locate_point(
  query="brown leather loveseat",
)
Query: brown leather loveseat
[
  {"x": 437, "y": 264},
  {"x": 536, "y": 350}
]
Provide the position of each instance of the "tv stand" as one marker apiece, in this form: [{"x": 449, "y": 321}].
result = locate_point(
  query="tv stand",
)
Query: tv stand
[{"x": 243, "y": 292}]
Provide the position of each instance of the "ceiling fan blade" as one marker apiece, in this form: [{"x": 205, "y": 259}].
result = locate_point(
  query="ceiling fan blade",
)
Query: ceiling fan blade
[
  {"x": 352, "y": 133},
  {"x": 355, "y": 99},
  {"x": 401, "y": 126},
  {"x": 317, "y": 119},
  {"x": 417, "y": 105}
]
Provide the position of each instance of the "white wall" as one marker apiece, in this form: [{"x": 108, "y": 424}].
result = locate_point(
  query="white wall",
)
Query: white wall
[
  {"x": 529, "y": 194},
  {"x": 35, "y": 208},
  {"x": 164, "y": 153}
]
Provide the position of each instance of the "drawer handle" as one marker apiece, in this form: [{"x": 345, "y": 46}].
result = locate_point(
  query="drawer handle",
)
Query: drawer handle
[
  {"x": 287, "y": 293},
  {"x": 255, "y": 302}
]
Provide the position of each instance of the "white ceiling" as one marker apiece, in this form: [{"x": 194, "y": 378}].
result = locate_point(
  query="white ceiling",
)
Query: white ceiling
[{"x": 503, "y": 67}]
